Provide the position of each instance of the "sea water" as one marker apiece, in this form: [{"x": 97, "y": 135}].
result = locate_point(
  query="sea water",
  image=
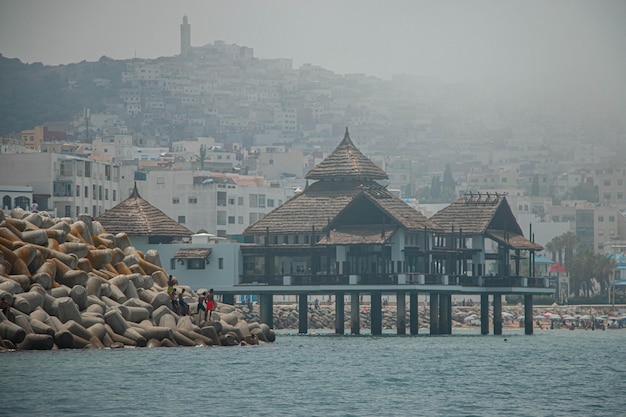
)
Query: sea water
[{"x": 551, "y": 373}]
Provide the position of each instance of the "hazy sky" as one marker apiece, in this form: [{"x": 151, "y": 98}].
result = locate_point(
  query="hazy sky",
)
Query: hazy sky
[{"x": 566, "y": 41}]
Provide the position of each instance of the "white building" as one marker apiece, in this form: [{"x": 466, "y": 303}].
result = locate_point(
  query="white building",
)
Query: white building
[
  {"x": 62, "y": 184},
  {"x": 221, "y": 204}
]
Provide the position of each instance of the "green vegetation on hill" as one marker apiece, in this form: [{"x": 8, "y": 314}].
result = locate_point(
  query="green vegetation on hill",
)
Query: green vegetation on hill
[{"x": 32, "y": 94}]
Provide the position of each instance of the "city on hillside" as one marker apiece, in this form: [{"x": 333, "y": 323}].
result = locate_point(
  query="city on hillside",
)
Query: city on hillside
[{"x": 216, "y": 138}]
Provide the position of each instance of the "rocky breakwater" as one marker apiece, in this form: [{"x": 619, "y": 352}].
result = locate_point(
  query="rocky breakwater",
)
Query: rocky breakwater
[{"x": 70, "y": 284}]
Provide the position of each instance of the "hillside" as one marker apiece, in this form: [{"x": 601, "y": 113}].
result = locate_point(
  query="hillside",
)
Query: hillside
[{"x": 32, "y": 94}]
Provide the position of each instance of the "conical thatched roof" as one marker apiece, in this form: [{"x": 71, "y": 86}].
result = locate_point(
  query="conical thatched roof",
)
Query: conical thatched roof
[
  {"x": 346, "y": 161},
  {"x": 135, "y": 216}
]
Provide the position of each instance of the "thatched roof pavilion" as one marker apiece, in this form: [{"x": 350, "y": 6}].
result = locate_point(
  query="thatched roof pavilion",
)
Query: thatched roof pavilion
[
  {"x": 346, "y": 195},
  {"x": 137, "y": 217},
  {"x": 485, "y": 214}
]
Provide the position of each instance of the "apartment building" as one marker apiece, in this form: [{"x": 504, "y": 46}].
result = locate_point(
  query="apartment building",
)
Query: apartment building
[
  {"x": 223, "y": 204},
  {"x": 63, "y": 184}
]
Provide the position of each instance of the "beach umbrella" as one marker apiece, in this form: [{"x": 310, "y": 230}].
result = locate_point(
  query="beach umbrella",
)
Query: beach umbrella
[
  {"x": 555, "y": 317},
  {"x": 586, "y": 317},
  {"x": 538, "y": 317},
  {"x": 547, "y": 314}
]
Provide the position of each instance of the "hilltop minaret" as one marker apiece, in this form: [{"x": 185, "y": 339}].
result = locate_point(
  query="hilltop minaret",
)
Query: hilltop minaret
[{"x": 185, "y": 37}]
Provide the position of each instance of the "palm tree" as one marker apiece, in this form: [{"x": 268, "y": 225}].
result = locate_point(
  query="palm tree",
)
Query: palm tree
[
  {"x": 604, "y": 267},
  {"x": 568, "y": 241}
]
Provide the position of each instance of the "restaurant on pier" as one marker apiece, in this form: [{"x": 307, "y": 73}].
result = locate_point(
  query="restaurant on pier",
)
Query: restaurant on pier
[{"x": 347, "y": 234}]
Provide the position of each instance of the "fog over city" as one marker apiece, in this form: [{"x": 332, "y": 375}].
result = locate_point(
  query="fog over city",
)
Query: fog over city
[{"x": 572, "y": 47}]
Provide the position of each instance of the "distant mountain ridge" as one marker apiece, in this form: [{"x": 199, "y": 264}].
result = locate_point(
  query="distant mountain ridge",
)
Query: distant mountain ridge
[{"x": 33, "y": 94}]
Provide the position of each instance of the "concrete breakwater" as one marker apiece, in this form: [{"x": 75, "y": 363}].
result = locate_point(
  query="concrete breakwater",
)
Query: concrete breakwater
[
  {"x": 70, "y": 284},
  {"x": 286, "y": 316}
]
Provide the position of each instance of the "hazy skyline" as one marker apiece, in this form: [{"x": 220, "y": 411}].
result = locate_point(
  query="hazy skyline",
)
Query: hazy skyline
[
  {"x": 568, "y": 50},
  {"x": 451, "y": 39}
]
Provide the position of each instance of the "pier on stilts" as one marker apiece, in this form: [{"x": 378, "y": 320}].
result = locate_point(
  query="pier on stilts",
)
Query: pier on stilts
[{"x": 346, "y": 234}]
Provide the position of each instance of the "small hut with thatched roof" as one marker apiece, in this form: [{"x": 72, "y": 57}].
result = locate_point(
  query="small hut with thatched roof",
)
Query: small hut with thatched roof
[{"x": 143, "y": 222}]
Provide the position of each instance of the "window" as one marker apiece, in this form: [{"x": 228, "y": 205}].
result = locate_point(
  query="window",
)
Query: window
[
  {"x": 114, "y": 195},
  {"x": 181, "y": 219},
  {"x": 295, "y": 239},
  {"x": 231, "y": 201},
  {"x": 620, "y": 182},
  {"x": 221, "y": 218},
  {"x": 77, "y": 210},
  {"x": 195, "y": 263},
  {"x": 78, "y": 191},
  {"x": 270, "y": 202},
  {"x": 68, "y": 211},
  {"x": 231, "y": 219},
  {"x": 94, "y": 213},
  {"x": 193, "y": 200},
  {"x": 261, "y": 200},
  {"x": 555, "y": 218},
  {"x": 240, "y": 220},
  {"x": 254, "y": 200},
  {"x": 220, "y": 263},
  {"x": 99, "y": 192},
  {"x": 240, "y": 201},
  {"x": 175, "y": 200},
  {"x": 86, "y": 191},
  {"x": 600, "y": 232},
  {"x": 620, "y": 196},
  {"x": 160, "y": 180},
  {"x": 221, "y": 198},
  {"x": 607, "y": 183},
  {"x": 94, "y": 191},
  {"x": 611, "y": 219},
  {"x": 173, "y": 263},
  {"x": 286, "y": 239},
  {"x": 106, "y": 194},
  {"x": 600, "y": 218}
]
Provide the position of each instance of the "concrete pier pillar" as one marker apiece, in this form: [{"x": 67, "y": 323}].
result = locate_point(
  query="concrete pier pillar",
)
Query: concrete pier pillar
[
  {"x": 303, "y": 314},
  {"x": 266, "y": 307},
  {"x": 528, "y": 313},
  {"x": 484, "y": 314},
  {"x": 401, "y": 312},
  {"x": 414, "y": 322},
  {"x": 376, "y": 313},
  {"x": 339, "y": 313},
  {"x": 228, "y": 299},
  {"x": 445, "y": 313},
  {"x": 355, "y": 325},
  {"x": 497, "y": 314},
  {"x": 434, "y": 313}
]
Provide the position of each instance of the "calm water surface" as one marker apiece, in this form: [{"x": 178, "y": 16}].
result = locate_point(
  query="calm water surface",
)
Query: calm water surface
[{"x": 553, "y": 373}]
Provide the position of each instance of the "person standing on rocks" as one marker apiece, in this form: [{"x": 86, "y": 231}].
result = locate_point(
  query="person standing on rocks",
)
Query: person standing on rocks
[
  {"x": 170, "y": 285},
  {"x": 174, "y": 301},
  {"x": 182, "y": 304},
  {"x": 210, "y": 302},
  {"x": 202, "y": 305}
]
